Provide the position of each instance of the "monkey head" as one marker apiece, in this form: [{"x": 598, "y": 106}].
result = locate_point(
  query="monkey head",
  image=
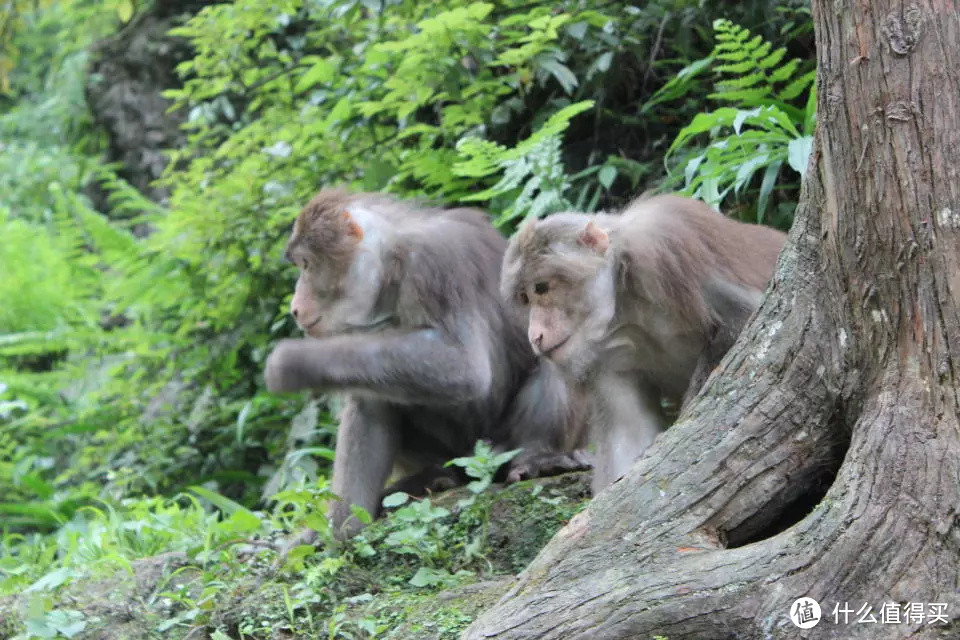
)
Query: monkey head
[
  {"x": 562, "y": 271},
  {"x": 341, "y": 265}
]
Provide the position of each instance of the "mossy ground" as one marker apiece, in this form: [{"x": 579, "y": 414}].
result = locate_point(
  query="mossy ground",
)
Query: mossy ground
[{"x": 238, "y": 596}]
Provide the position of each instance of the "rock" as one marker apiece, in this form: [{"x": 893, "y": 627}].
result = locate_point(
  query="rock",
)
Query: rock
[{"x": 128, "y": 73}]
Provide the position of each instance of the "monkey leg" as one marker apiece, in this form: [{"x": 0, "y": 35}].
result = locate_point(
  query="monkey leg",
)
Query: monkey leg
[{"x": 367, "y": 443}]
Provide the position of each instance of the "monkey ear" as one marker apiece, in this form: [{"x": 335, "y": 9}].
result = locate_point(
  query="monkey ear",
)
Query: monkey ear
[
  {"x": 354, "y": 230},
  {"x": 595, "y": 238}
]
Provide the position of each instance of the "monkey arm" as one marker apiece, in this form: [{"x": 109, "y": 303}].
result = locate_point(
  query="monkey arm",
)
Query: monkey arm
[
  {"x": 546, "y": 421},
  {"x": 626, "y": 419},
  {"x": 731, "y": 305},
  {"x": 412, "y": 367},
  {"x": 367, "y": 443}
]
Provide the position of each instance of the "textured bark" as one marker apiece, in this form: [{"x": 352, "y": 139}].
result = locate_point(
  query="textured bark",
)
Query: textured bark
[{"x": 848, "y": 372}]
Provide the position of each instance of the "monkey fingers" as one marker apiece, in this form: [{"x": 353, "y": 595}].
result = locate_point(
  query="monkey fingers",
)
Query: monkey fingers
[
  {"x": 282, "y": 371},
  {"x": 551, "y": 463}
]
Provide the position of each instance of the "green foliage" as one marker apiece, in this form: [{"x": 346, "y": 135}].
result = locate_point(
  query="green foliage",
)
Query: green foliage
[
  {"x": 41, "y": 34},
  {"x": 534, "y": 181},
  {"x": 758, "y": 136},
  {"x": 482, "y": 466},
  {"x": 98, "y": 540},
  {"x": 50, "y": 302},
  {"x": 132, "y": 415}
]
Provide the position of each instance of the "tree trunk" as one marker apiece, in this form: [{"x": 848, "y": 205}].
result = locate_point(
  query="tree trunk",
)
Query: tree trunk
[{"x": 823, "y": 457}]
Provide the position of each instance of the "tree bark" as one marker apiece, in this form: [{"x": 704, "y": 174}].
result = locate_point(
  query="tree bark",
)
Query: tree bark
[{"x": 847, "y": 377}]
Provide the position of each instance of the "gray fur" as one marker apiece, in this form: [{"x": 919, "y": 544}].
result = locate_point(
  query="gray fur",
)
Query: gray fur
[
  {"x": 643, "y": 305},
  {"x": 429, "y": 356}
]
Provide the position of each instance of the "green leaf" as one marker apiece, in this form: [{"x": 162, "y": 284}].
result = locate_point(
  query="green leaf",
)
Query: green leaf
[
  {"x": 395, "y": 499},
  {"x": 125, "y": 10},
  {"x": 426, "y": 577},
  {"x": 743, "y": 116},
  {"x": 361, "y": 514},
  {"x": 242, "y": 420},
  {"x": 748, "y": 168},
  {"x": 766, "y": 188},
  {"x": 785, "y": 72},
  {"x": 341, "y": 111},
  {"x": 773, "y": 59},
  {"x": 241, "y": 522},
  {"x": 52, "y": 579},
  {"x": 321, "y": 72},
  {"x": 810, "y": 112},
  {"x": 679, "y": 85},
  {"x": 602, "y": 63},
  {"x": 798, "y": 86},
  {"x": 296, "y": 556},
  {"x": 562, "y": 73},
  {"x": 221, "y": 502},
  {"x": 503, "y": 458},
  {"x": 607, "y": 175},
  {"x": 798, "y": 153},
  {"x": 577, "y": 29}
]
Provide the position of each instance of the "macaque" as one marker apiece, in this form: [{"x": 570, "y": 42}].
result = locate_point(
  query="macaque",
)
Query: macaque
[
  {"x": 402, "y": 308},
  {"x": 636, "y": 308}
]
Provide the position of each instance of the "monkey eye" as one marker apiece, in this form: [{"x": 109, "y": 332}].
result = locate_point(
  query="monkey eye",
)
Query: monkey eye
[
  {"x": 541, "y": 288},
  {"x": 524, "y": 298}
]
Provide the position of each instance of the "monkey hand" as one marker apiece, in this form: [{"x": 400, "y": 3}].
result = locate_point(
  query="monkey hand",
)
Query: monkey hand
[
  {"x": 283, "y": 371},
  {"x": 551, "y": 463}
]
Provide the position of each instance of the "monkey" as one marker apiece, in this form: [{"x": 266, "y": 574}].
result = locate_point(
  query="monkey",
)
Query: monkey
[
  {"x": 636, "y": 308},
  {"x": 402, "y": 314}
]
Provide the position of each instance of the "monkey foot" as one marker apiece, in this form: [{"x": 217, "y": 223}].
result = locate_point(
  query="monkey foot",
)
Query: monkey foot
[{"x": 538, "y": 465}]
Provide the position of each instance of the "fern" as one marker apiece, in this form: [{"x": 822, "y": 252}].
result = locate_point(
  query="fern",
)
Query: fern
[
  {"x": 534, "y": 181},
  {"x": 125, "y": 200},
  {"x": 758, "y": 136},
  {"x": 751, "y": 73}
]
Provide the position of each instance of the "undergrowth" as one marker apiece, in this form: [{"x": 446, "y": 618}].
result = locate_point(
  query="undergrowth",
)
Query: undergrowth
[{"x": 133, "y": 419}]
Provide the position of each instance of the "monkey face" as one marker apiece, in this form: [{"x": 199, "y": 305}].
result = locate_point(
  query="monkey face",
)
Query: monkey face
[
  {"x": 305, "y": 306},
  {"x": 552, "y": 320},
  {"x": 567, "y": 319},
  {"x": 561, "y": 271},
  {"x": 341, "y": 273}
]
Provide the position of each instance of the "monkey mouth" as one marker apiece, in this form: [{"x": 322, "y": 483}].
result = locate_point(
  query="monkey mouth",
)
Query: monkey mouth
[
  {"x": 552, "y": 351},
  {"x": 306, "y": 327}
]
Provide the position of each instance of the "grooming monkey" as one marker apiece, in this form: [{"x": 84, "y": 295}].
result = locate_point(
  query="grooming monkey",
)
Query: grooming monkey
[
  {"x": 403, "y": 311},
  {"x": 637, "y": 307}
]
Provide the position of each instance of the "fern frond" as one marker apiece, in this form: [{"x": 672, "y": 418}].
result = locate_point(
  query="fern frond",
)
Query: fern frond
[
  {"x": 123, "y": 198},
  {"x": 772, "y": 60},
  {"x": 784, "y": 73},
  {"x": 745, "y": 96},
  {"x": 798, "y": 86},
  {"x": 743, "y": 82}
]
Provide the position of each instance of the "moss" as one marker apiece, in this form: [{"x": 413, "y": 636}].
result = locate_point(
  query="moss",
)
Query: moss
[
  {"x": 365, "y": 597},
  {"x": 429, "y": 615},
  {"x": 526, "y": 515},
  {"x": 10, "y": 624}
]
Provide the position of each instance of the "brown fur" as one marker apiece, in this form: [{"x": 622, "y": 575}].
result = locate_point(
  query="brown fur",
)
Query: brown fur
[
  {"x": 406, "y": 321},
  {"x": 647, "y": 300}
]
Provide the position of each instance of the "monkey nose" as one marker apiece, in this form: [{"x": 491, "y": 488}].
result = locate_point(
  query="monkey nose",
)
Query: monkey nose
[
  {"x": 536, "y": 341},
  {"x": 295, "y": 312}
]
